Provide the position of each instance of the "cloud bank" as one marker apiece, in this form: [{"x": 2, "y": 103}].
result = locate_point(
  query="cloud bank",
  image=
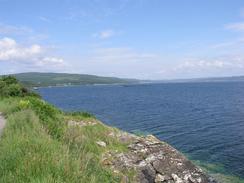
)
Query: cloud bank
[{"x": 29, "y": 56}]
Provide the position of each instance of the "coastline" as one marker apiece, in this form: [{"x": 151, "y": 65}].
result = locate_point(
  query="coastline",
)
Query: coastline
[
  {"x": 78, "y": 138},
  {"x": 132, "y": 158}
]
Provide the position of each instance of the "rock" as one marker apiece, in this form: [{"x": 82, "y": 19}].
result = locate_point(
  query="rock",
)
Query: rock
[
  {"x": 126, "y": 161},
  {"x": 124, "y": 179},
  {"x": 125, "y": 137},
  {"x": 101, "y": 143},
  {"x": 142, "y": 164},
  {"x": 106, "y": 162},
  {"x": 146, "y": 174},
  {"x": 111, "y": 134},
  {"x": 161, "y": 178},
  {"x": 81, "y": 123},
  {"x": 150, "y": 139},
  {"x": 163, "y": 167},
  {"x": 189, "y": 178},
  {"x": 151, "y": 158},
  {"x": 155, "y": 161},
  {"x": 155, "y": 156},
  {"x": 176, "y": 178}
]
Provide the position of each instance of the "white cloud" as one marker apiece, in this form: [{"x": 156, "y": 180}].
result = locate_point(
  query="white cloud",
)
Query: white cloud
[
  {"x": 7, "y": 43},
  {"x": 10, "y": 50},
  {"x": 33, "y": 56},
  {"x": 238, "y": 26},
  {"x": 105, "y": 34}
]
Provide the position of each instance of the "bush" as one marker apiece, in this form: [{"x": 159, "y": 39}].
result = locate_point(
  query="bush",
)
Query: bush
[
  {"x": 13, "y": 90},
  {"x": 10, "y": 80},
  {"x": 10, "y": 87}
]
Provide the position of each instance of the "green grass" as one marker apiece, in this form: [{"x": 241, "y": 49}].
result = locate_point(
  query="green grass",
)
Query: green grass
[
  {"x": 38, "y": 145},
  {"x": 8, "y": 105}
]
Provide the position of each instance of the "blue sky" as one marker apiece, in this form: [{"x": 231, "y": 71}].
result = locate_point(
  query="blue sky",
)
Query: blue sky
[{"x": 145, "y": 39}]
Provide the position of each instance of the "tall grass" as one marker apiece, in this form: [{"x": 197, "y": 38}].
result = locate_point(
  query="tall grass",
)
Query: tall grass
[
  {"x": 38, "y": 146},
  {"x": 28, "y": 154},
  {"x": 31, "y": 152}
]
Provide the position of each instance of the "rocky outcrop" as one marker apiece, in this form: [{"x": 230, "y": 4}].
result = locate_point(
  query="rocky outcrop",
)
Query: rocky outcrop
[
  {"x": 82, "y": 123},
  {"x": 150, "y": 160},
  {"x": 154, "y": 161}
]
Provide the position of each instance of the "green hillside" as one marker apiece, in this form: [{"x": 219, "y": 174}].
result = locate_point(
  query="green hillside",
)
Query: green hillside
[{"x": 35, "y": 79}]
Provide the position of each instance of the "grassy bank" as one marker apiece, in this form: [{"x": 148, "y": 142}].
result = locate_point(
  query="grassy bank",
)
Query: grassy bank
[{"x": 39, "y": 145}]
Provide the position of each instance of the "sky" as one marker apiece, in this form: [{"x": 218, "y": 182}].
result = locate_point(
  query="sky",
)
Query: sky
[{"x": 144, "y": 39}]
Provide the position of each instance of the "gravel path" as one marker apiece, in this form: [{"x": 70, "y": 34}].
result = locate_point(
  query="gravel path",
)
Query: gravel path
[{"x": 2, "y": 123}]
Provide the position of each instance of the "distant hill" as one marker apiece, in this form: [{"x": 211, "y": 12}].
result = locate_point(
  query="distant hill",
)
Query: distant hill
[{"x": 36, "y": 79}]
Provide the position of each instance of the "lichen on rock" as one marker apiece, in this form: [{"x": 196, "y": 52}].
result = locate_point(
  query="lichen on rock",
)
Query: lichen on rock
[{"x": 154, "y": 161}]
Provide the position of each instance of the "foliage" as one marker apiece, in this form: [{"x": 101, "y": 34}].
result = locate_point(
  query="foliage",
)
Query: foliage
[{"x": 10, "y": 87}]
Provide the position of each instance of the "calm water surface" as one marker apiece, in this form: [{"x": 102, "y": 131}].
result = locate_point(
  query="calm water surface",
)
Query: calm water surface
[{"x": 203, "y": 120}]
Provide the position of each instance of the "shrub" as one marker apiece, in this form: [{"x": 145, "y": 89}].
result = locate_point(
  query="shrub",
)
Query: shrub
[
  {"x": 13, "y": 90},
  {"x": 10, "y": 80},
  {"x": 10, "y": 87}
]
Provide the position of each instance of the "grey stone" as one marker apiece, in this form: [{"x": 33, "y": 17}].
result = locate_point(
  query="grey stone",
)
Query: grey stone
[
  {"x": 176, "y": 178},
  {"x": 161, "y": 178},
  {"x": 101, "y": 143},
  {"x": 146, "y": 174},
  {"x": 156, "y": 161}
]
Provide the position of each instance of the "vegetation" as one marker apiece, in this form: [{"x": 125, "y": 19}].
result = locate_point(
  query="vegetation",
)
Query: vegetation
[
  {"x": 39, "y": 145},
  {"x": 35, "y": 79},
  {"x": 10, "y": 87}
]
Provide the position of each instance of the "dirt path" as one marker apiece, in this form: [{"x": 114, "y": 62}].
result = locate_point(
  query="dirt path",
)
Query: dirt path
[{"x": 2, "y": 122}]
